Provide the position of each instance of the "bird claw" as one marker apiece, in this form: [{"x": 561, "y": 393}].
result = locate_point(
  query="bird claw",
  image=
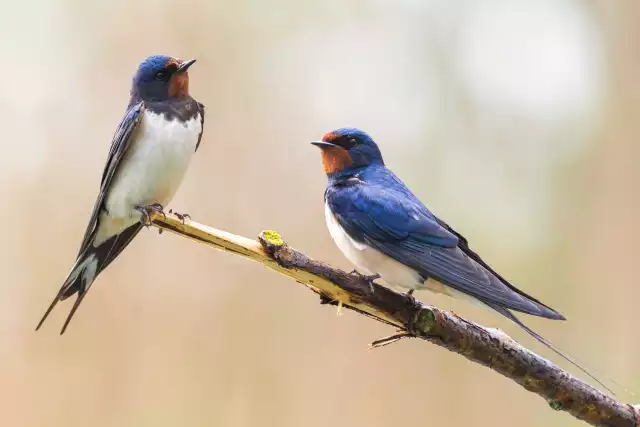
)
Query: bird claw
[
  {"x": 180, "y": 216},
  {"x": 409, "y": 331},
  {"x": 145, "y": 219},
  {"x": 416, "y": 305},
  {"x": 369, "y": 279}
]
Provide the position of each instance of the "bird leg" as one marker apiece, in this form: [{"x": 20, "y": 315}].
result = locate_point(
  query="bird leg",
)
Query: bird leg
[
  {"x": 369, "y": 279},
  {"x": 144, "y": 210},
  {"x": 409, "y": 331},
  {"x": 415, "y": 304}
]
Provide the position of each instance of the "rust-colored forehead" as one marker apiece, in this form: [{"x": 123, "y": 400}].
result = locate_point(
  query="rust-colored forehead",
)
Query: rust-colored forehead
[
  {"x": 331, "y": 136},
  {"x": 173, "y": 61}
]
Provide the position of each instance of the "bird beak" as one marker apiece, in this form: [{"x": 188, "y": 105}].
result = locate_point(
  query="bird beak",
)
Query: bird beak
[
  {"x": 185, "y": 66},
  {"x": 323, "y": 144}
]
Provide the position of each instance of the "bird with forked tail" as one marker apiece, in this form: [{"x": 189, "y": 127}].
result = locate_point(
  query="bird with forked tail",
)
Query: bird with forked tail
[
  {"x": 149, "y": 155},
  {"x": 382, "y": 228}
]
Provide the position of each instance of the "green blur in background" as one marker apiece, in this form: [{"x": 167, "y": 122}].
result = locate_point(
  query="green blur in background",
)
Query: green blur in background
[{"x": 517, "y": 122}]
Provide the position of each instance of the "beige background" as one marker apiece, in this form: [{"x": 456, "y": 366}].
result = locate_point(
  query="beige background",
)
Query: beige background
[{"x": 517, "y": 122}]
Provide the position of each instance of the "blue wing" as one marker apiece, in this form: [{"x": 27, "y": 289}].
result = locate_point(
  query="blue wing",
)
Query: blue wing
[
  {"x": 384, "y": 214},
  {"x": 380, "y": 214},
  {"x": 99, "y": 257},
  {"x": 119, "y": 145}
]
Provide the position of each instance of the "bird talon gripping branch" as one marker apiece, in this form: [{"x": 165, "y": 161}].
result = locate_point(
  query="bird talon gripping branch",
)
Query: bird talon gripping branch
[
  {"x": 182, "y": 217},
  {"x": 369, "y": 279},
  {"x": 145, "y": 219}
]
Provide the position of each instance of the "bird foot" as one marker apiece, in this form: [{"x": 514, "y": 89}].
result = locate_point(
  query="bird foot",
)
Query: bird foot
[
  {"x": 415, "y": 306},
  {"x": 409, "y": 331},
  {"x": 145, "y": 219},
  {"x": 180, "y": 216},
  {"x": 369, "y": 279}
]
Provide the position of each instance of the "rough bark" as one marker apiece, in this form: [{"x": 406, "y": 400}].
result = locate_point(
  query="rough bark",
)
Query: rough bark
[{"x": 488, "y": 347}]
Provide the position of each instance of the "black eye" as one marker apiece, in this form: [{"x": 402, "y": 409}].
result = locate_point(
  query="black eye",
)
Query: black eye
[
  {"x": 352, "y": 142},
  {"x": 160, "y": 75}
]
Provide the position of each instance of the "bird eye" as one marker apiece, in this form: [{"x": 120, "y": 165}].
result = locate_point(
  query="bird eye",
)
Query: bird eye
[
  {"x": 353, "y": 142},
  {"x": 160, "y": 75}
]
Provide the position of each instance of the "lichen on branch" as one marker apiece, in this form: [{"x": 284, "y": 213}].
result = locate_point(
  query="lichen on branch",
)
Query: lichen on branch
[{"x": 488, "y": 347}]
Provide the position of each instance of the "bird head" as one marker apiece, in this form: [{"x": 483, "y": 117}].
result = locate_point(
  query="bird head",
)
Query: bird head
[
  {"x": 348, "y": 149},
  {"x": 160, "y": 77}
]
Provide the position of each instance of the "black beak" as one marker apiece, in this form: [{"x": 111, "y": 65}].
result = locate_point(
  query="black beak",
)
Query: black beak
[
  {"x": 185, "y": 66},
  {"x": 323, "y": 144}
]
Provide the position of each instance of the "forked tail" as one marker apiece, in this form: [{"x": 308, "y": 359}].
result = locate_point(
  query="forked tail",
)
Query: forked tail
[
  {"x": 89, "y": 264},
  {"x": 505, "y": 312}
]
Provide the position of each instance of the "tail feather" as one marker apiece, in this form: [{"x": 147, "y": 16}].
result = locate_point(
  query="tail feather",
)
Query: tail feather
[
  {"x": 81, "y": 294},
  {"x": 505, "y": 312},
  {"x": 53, "y": 304},
  {"x": 83, "y": 273},
  {"x": 88, "y": 266}
]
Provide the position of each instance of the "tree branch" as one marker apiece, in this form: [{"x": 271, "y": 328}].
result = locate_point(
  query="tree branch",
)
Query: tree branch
[{"x": 488, "y": 347}]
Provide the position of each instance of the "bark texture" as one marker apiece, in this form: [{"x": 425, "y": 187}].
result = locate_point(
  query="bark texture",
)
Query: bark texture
[{"x": 488, "y": 347}]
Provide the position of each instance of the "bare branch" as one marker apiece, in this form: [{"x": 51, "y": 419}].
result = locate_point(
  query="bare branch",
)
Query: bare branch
[{"x": 488, "y": 347}]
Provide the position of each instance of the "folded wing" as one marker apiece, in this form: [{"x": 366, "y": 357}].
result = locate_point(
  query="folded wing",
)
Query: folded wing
[{"x": 402, "y": 228}]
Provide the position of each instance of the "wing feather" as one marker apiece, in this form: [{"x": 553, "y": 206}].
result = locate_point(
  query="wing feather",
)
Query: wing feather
[
  {"x": 402, "y": 228},
  {"x": 201, "y": 110},
  {"x": 119, "y": 146}
]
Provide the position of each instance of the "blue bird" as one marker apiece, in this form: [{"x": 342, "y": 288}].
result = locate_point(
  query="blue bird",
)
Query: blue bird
[
  {"x": 148, "y": 158},
  {"x": 382, "y": 228}
]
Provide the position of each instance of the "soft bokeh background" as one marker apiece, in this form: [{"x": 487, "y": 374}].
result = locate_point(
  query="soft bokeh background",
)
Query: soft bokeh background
[{"x": 515, "y": 121}]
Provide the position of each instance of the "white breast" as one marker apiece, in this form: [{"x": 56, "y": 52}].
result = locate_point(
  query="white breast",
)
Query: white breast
[
  {"x": 154, "y": 164},
  {"x": 370, "y": 260}
]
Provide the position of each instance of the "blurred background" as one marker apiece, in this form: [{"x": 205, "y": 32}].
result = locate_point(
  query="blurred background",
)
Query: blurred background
[{"x": 517, "y": 122}]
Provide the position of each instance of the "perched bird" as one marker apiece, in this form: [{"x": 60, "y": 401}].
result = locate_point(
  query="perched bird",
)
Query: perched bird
[
  {"x": 382, "y": 228},
  {"x": 148, "y": 158}
]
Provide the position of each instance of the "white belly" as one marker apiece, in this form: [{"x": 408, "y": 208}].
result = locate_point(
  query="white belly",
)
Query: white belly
[
  {"x": 372, "y": 261},
  {"x": 154, "y": 165}
]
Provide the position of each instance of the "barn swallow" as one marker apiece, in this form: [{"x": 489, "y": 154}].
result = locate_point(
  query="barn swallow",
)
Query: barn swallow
[
  {"x": 148, "y": 158},
  {"x": 382, "y": 228}
]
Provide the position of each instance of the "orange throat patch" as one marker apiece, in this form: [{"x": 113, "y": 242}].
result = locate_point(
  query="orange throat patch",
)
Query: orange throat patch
[
  {"x": 335, "y": 159},
  {"x": 179, "y": 85}
]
